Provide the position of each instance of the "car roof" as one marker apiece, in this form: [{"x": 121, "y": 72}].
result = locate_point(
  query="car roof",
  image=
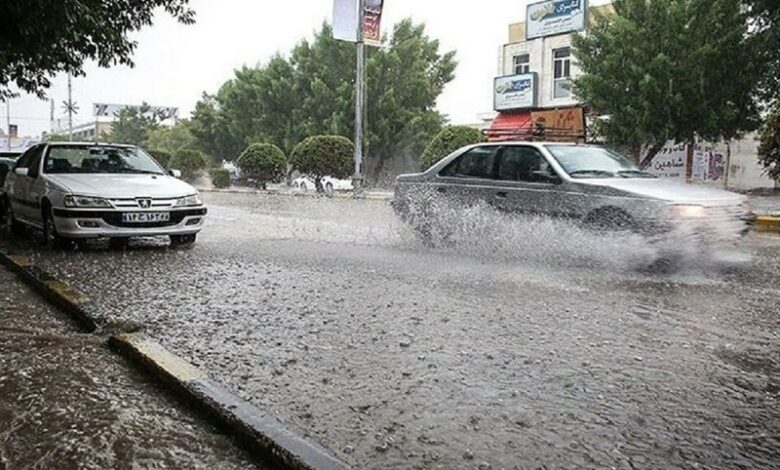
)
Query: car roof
[
  {"x": 535, "y": 143},
  {"x": 87, "y": 144}
]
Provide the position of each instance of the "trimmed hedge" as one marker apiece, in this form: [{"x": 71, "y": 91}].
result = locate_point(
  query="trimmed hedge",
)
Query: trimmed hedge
[
  {"x": 448, "y": 140},
  {"x": 220, "y": 178},
  {"x": 189, "y": 162},
  {"x": 324, "y": 155},
  {"x": 264, "y": 163},
  {"x": 162, "y": 157}
]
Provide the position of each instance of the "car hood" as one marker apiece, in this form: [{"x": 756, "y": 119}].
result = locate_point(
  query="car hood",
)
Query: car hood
[
  {"x": 123, "y": 186},
  {"x": 670, "y": 191}
]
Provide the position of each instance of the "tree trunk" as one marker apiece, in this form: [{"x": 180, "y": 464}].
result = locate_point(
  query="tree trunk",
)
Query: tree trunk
[{"x": 651, "y": 153}]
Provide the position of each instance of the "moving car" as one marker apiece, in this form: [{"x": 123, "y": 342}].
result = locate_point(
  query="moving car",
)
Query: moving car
[
  {"x": 593, "y": 184},
  {"x": 87, "y": 190}
]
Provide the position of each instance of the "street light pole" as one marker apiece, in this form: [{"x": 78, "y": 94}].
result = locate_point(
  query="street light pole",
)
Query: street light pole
[{"x": 359, "y": 99}]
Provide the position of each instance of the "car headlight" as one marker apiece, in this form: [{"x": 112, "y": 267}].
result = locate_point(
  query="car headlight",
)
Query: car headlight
[
  {"x": 85, "y": 201},
  {"x": 687, "y": 211},
  {"x": 189, "y": 201}
]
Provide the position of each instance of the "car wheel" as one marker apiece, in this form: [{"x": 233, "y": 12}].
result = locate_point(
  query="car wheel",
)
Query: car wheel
[
  {"x": 610, "y": 219},
  {"x": 16, "y": 227},
  {"x": 303, "y": 187},
  {"x": 183, "y": 240},
  {"x": 329, "y": 188},
  {"x": 51, "y": 238}
]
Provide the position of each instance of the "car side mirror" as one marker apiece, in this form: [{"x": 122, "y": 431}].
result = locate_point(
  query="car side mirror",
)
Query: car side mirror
[
  {"x": 547, "y": 176},
  {"x": 22, "y": 171},
  {"x": 175, "y": 173}
]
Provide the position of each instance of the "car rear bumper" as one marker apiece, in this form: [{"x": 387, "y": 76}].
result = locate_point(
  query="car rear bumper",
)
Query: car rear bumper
[{"x": 80, "y": 223}]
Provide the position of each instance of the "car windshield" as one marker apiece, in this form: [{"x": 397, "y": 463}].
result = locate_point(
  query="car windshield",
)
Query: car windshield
[
  {"x": 100, "y": 159},
  {"x": 594, "y": 162}
]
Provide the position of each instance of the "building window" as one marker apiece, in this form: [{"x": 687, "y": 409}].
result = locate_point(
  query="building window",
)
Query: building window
[
  {"x": 562, "y": 73},
  {"x": 522, "y": 64}
]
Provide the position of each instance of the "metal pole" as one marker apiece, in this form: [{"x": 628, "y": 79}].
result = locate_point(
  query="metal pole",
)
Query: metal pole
[
  {"x": 70, "y": 111},
  {"x": 8, "y": 122},
  {"x": 359, "y": 93}
]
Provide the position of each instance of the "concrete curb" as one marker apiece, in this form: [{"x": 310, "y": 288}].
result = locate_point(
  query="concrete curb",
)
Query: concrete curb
[
  {"x": 265, "y": 192},
  {"x": 60, "y": 294},
  {"x": 765, "y": 223},
  {"x": 256, "y": 428}
]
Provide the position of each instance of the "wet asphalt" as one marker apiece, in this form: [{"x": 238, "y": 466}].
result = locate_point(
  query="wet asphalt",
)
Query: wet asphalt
[{"x": 520, "y": 344}]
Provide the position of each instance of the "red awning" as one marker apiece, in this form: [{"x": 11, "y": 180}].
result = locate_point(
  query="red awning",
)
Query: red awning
[{"x": 511, "y": 126}]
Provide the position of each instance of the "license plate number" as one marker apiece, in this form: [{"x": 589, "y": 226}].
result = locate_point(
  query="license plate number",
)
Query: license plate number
[{"x": 145, "y": 217}]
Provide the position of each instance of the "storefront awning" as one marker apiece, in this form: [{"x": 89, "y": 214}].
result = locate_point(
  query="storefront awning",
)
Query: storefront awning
[{"x": 511, "y": 126}]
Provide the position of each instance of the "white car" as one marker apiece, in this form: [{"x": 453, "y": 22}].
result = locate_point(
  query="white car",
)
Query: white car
[
  {"x": 85, "y": 190},
  {"x": 329, "y": 184}
]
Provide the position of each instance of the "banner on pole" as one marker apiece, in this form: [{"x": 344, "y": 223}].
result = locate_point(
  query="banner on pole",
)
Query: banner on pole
[
  {"x": 372, "y": 22},
  {"x": 345, "y": 20}
]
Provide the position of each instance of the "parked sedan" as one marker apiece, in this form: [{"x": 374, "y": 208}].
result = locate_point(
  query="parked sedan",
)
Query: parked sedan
[
  {"x": 588, "y": 183},
  {"x": 329, "y": 184},
  {"x": 86, "y": 190}
]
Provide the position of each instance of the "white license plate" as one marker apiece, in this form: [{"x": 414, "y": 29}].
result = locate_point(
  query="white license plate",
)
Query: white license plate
[{"x": 145, "y": 217}]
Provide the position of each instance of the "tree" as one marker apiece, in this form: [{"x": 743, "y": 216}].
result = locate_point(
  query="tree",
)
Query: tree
[
  {"x": 171, "y": 138},
  {"x": 448, "y": 140},
  {"x": 669, "y": 70},
  {"x": 189, "y": 162},
  {"x": 769, "y": 148},
  {"x": 39, "y": 38},
  {"x": 134, "y": 125},
  {"x": 312, "y": 92},
  {"x": 323, "y": 155},
  {"x": 264, "y": 163},
  {"x": 765, "y": 15},
  {"x": 163, "y": 157},
  {"x": 55, "y": 137}
]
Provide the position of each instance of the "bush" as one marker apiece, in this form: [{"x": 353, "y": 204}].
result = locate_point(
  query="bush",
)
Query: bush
[
  {"x": 264, "y": 163},
  {"x": 162, "y": 157},
  {"x": 324, "y": 155},
  {"x": 189, "y": 162},
  {"x": 448, "y": 140},
  {"x": 769, "y": 148},
  {"x": 220, "y": 178}
]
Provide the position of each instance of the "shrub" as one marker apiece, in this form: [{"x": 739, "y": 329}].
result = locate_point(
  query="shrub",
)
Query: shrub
[
  {"x": 324, "y": 155},
  {"x": 189, "y": 162},
  {"x": 769, "y": 148},
  {"x": 220, "y": 178},
  {"x": 448, "y": 140},
  {"x": 264, "y": 163},
  {"x": 162, "y": 157}
]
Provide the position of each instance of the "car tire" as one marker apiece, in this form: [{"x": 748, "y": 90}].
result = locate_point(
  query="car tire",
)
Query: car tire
[
  {"x": 51, "y": 238},
  {"x": 304, "y": 188},
  {"x": 183, "y": 240},
  {"x": 16, "y": 227},
  {"x": 610, "y": 219},
  {"x": 329, "y": 188}
]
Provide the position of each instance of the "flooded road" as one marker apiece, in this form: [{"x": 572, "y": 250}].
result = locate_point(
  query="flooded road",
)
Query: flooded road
[
  {"x": 67, "y": 402},
  {"x": 526, "y": 344}
]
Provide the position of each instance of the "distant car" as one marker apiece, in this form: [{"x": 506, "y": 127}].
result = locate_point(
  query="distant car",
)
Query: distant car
[
  {"x": 85, "y": 190},
  {"x": 589, "y": 183},
  {"x": 235, "y": 172},
  {"x": 329, "y": 184}
]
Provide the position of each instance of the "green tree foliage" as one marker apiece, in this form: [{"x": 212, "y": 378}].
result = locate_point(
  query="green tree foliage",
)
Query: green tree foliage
[
  {"x": 163, "y": 157},
  {"x": 264, "y": 163},
  {"x": 39, "y": 38},
  {"x": 53, "y": 137},
  {"x": 171, "y": 138},
  {"x": 769, "y": 148},
  {"x": 765, "y": 15},
  {"x": 312, "y": 93},
  {"x": 220, "y": 178},
  {"x": 134, "y": 125},
  {"x": 670, "y": 70},
  {"x": 324, "y": 155},
  {"x": 189, "y": 162},
  {"x": 448, "y": 140}
]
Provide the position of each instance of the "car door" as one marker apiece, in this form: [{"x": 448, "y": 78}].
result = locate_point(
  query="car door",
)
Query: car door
[
  {"x": 527, "y": 183},
  {"x": 36, "y": 185},
  {"x": 469, "y": 178},
  {"x": 18, "y": 185}
]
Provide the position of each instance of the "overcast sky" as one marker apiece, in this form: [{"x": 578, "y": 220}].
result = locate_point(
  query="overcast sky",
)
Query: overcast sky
[{"x": 175, "y": 63}]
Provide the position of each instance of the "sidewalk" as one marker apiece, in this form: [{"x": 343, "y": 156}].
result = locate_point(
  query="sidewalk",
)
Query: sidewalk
[
  {"x": 66, "y": 401},
  {"x": 766, "y": 205}
]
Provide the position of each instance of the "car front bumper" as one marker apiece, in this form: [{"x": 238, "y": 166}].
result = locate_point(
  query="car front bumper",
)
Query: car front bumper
[{"x": 84, "y": 223}]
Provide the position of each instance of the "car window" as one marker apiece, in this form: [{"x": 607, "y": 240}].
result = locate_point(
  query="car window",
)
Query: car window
[
  {"x": 34, "y": 164},
  {"x": 24, "y": 160},
  {"x": 476, "y": 163},
  {"x": 520, "y": 164},
  {"x": 99, "y": 159}
]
